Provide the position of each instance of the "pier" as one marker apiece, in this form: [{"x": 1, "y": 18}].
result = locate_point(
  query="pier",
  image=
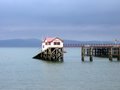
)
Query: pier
[
  {"x": 52, "y": 50},
  {"x": 108, "y": 51}
]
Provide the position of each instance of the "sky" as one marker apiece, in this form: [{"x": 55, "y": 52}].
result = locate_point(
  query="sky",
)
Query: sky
[{"x": 83, "y": 20}]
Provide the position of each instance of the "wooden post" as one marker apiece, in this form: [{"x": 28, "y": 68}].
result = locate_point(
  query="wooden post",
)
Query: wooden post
[
  {"x": 82, "y": 53},
  {"x": 95, "y": 52},
  {"x": 87, "y": 53},
  {"x": 100, "y": 52},
  {"x": 110, "y": 53},
  {"x": 118, "y": 57},
  {"x": 90, "y": 52}
]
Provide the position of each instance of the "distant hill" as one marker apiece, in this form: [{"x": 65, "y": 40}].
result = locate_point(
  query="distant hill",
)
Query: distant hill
[
  {"x": 20, "y": 43},
  {"x": 37, "y": 43}
]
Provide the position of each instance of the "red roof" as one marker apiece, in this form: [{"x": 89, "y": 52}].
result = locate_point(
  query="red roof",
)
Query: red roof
[{"x": 51, "y": 39}]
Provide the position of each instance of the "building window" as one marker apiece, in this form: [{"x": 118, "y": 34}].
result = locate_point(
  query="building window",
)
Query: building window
[
  {"x": 56, "y": 43},
  {"x": 47, "y": 43}
]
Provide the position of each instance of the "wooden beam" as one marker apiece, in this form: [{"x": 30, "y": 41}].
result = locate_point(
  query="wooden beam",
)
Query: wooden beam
[
  {"x": 91, "y": 53},
  {"x": 82, "y": 53},
  {"x": 110, "y": 53}
]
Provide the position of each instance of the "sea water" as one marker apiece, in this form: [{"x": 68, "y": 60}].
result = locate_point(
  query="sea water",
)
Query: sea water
[{"x": 18, "y": 71}]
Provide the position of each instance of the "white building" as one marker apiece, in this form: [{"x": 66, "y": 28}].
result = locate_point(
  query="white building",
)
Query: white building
[{"x": 52, "y": 43}]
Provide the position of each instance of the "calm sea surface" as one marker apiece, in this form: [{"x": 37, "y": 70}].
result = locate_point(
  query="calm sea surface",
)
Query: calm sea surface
[{"x": 18, "y": 71}]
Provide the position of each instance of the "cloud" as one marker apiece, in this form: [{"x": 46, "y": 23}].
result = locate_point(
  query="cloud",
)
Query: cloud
[
  {"x": 67, "y": 32},
  {"x": 70, "y": 19}
]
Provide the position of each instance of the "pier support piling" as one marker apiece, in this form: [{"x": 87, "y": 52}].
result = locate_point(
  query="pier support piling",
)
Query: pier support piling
[
  {"x": 82, "y": 54},
  {"x": 91, "y": 54},
  {"x": 118, "y": 57},
  {"x": 110, "y": 53},
  {"x": 51, "y": 54}
]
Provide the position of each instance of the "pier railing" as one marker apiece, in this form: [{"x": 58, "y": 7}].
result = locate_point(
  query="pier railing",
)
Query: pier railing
[{"x": 95, "y": 45}]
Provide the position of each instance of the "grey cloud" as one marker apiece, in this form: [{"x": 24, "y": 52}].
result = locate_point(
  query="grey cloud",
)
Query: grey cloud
[
  {"x": 75, "y": 33},
  {"x": 83, "y": 19}
]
